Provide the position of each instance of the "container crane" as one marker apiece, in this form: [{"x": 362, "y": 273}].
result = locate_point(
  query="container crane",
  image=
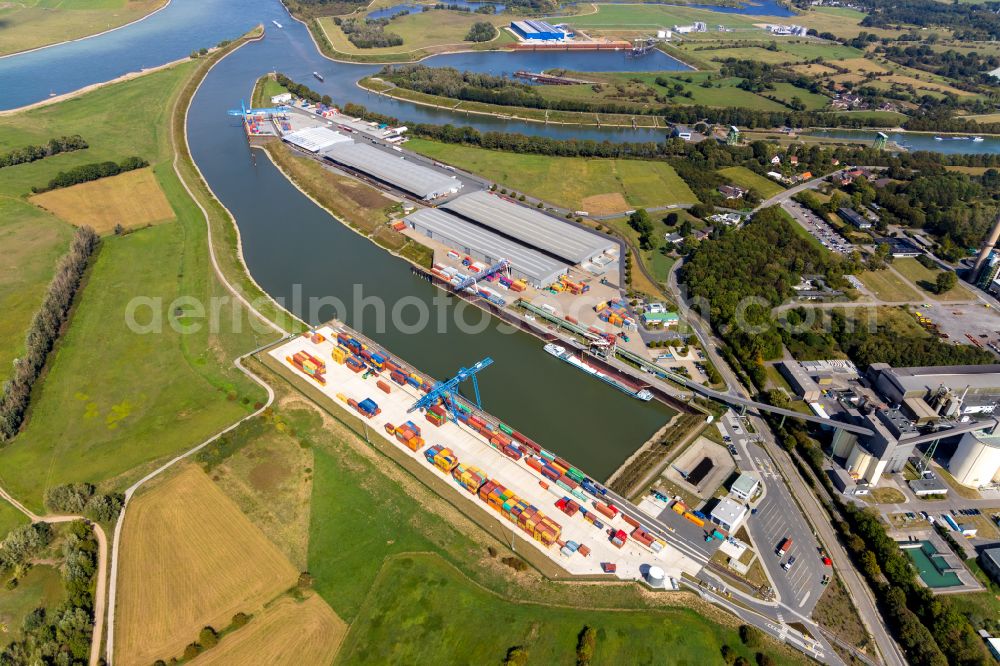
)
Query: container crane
[
  {"x": 499, "y": 267},
  {"x": 445, "y": 391},
  {"x": 243, "y": 111}
]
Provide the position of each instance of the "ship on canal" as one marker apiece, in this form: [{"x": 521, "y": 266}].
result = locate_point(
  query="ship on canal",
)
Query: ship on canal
[{"x": 563, "y": 354}]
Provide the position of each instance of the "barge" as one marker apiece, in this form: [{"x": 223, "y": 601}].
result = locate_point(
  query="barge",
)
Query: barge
[{"x": 567, "y": 356}]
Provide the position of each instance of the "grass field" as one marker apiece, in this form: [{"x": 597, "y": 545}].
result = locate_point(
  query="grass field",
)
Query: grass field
[
  {"x": 41, "y": 587},
  {"x": 924, "y": 278},
  {"x": 639, "y": 16},
  {"x": 33, "y": 241},
  {"x": 744, "y": 177},
  {"x": 595, "y": 185},
  {"x": 190, "y": 559},
  {"x": 115, "y": 400},
  {"x": 888, "y": 287},
  {"x": 421, "y": 610},
  {"x": 723, "y": 93},
  {"x": 133, "y": 199},
  {"x": 270, "y": 479},
  {"x": 423, "y": 33},
  {"x": 10, "y": 518},
  {"x": 287, "y": 633},
  {"x": 28, "y": 24}
]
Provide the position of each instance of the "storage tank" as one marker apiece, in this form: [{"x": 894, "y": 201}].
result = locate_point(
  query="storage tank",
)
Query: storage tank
[
  {"x": 655, "y": 576},
  {"x": 977, "y": 459}
]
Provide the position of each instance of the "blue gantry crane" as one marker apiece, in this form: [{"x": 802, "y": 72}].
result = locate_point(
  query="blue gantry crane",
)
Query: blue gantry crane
[
  {"x": 243, "y": 111},
  {"x": 444, "y": 391},
  {"x": 501, "y": 266}
]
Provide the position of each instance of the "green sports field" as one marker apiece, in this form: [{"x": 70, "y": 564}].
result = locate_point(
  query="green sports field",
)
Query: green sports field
[{"x": 596, "y": 185}]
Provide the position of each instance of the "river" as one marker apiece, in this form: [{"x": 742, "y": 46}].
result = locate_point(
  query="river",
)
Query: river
[{"x": 297, "y": 252}]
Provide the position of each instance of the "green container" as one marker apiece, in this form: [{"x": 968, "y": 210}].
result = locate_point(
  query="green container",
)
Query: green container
[
  {"x": 564, "y": 486},
  {"x": 506, "y": 428},
  {"x": 575, "y": 474}
]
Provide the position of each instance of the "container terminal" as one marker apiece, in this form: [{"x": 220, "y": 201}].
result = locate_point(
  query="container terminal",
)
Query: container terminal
[
  {"x": 550, "y": 276},
  {"x": 543, "y": 499}
]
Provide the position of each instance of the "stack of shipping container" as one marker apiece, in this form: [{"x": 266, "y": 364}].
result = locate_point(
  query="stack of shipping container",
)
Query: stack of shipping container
[
  {"x": 615, "y": 312},
  {"x": 309, "y": 364}
]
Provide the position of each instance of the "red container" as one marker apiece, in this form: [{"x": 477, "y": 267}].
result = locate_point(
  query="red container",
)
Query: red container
[
  {"x": 382, "y": 385},
  {"x": 604, "y": 510},
  {"x": 630, "y": 520},
  {"x": 534, "y": 463}
]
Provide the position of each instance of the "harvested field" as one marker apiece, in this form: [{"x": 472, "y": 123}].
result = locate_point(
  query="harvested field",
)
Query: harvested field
[
  {"x": 289, "y": 632},
  {"x": 191, "y": 560},
  {"x": 604, "y": 204},
  {"x": 133, "y": 199}
]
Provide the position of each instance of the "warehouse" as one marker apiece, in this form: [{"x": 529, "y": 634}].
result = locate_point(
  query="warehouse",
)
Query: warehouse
[
  {"x": 486, "y": 246},
  {"x": 315, "y": 139},
  {"x": 394, "y": 170},
  {"x": 531, "y": 227},
  {"x": 537, "y": 30},
  {"x": 800, "y": 381}
]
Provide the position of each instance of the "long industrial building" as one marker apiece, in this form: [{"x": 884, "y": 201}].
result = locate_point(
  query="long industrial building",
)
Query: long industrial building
[
  {"x": 530, "y": 227},
  {"x": 965, "y": 389},
  {"x": 484, "y": 245},
  {"x": 315, "y": 139},
  {"x": 394, "y": 170}
]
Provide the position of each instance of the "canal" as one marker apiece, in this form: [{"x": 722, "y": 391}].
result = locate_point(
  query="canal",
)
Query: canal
[{"x": 299, "y": 254}]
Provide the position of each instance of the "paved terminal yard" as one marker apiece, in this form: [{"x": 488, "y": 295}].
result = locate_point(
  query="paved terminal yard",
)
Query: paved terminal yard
[{"x": 471, "y": 449}]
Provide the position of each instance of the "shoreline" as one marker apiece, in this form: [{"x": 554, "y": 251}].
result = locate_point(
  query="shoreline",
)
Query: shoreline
[
  {"x": 96, "y": 34},
  {"x": 128, "y": 76}
]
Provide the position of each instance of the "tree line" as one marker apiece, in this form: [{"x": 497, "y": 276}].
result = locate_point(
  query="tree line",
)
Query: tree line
[
  {"x": 88, "y": 172},
  {"x": 44, "y": 331},
  {"x": 302, "y": 91},
  {"x": 61, "y": 635},
  {"x": 25, "y": 154}
]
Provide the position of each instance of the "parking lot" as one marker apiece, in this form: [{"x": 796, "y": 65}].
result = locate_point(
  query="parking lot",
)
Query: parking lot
[{"x": 819, "y": 228}]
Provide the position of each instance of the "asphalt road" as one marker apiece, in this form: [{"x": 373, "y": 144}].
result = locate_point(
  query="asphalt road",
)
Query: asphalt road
[{"x": 778, "y": 517}]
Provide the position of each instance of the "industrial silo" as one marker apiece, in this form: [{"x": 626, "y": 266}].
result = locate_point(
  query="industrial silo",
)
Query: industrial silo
[{"x": 977, "y": 459}]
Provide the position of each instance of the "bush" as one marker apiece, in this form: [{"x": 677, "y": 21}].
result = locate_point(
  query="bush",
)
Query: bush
[
  {"x": 515, "y": 563},
  {"x": 751, "y": 636},
  {"x": 69, "y": 498},
  {"x": 586, "y": 643},
  {"x": 240, "y": 619},
  {"x": 481, "y": 31},
  {"x": 208, "y": 638}
]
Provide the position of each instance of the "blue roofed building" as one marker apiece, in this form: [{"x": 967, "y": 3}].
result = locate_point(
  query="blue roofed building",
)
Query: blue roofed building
[{"x": 537, "y": 30}]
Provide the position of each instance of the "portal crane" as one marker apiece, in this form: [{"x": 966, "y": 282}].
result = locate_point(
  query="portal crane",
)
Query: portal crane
[
  {"x": 444, "y": 391},
  {"x": 243, "y": 111}
]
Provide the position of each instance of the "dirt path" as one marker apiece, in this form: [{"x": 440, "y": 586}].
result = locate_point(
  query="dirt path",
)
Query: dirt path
[{"x": 100, "y": 598}]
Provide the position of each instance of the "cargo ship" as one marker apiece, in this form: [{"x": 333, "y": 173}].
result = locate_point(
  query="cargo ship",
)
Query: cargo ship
[
  {"x": 318, "y": 76},
  {"x": 563, "y": 355},
  {"x": 276, "y": 24}
]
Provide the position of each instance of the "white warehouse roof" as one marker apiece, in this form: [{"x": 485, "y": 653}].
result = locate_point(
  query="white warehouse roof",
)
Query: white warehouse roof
[
  {"x": 531, "y": 227},
  {"x": 315, "y": 139},
  {"x": 469, "y": 238},
  {"x": 421, "y": 181}
]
